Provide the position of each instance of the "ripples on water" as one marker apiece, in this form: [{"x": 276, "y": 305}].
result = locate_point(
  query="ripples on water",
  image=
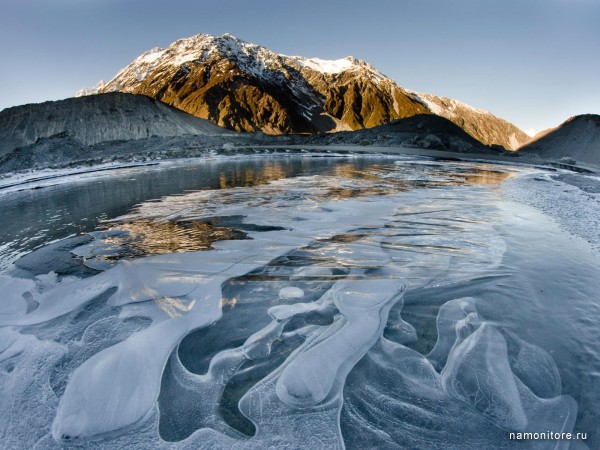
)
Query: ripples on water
[{"x": 358, "y": 303}]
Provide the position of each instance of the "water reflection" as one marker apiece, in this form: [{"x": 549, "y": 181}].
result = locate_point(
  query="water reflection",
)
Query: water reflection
[
  {"x": 384, "y": 179},
  {"x": 482, "y": 176},
  {"x": 144, "y": 238},
  {"x": 181, "y": 223},
  {"x": 32, "y": 218},
  {"x": 253, "y": 176}
]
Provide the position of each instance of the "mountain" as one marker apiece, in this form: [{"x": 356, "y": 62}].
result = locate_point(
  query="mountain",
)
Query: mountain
[
  {"x": 98, "y": 118},
  {"x": 246, "y": 87},
  {"x": 577, "y": 138},
  {"x": 477, "y": 122},
  {"x": 419, "y": 131}
]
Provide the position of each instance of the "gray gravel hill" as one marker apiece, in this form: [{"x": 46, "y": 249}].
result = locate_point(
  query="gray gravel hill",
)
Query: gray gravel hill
[
  {"x": 98, "y": 118},
  {"x": 577, "y": 138}
]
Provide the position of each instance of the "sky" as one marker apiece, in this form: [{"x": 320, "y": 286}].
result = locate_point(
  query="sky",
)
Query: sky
[{"x": 534, "y": 63}]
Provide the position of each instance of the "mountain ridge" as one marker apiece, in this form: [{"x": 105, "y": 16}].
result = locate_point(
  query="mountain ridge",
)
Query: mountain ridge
[
  {"x": 247, "y": 87},
  {"x": 578, "y": 138},
  {"x": 99, "y": 118}
]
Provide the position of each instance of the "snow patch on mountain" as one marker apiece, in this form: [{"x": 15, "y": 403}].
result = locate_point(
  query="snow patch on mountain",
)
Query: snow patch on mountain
[
  {"x": 151, "y": 55},
  {"x": 324, "y": 65},
  {"x": 444, "y": 106},
  {"x": 90, "y": 91},
  {"x": 514, "y": 141},
  {"x": 531, "y": 132}
]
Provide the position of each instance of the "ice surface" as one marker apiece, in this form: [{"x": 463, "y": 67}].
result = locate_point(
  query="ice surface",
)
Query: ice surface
[
  {"x": 24, "y": 365},
  {"x": 450, "y": 313},
  {"x": 574, "y": 202},
  {"x": 533, "y": 366},
  {"x": 412, "y": 402},
  {"x": 293, "y": 353},
  {"x": 13, "y": 304},
  {"x": 291, "y": 292},
  {"x": 310, "y": 377},
  {"x": 478, "y": 373},
  {"x": 85, "y": 411},
  {"x": 136, "y": 364}
]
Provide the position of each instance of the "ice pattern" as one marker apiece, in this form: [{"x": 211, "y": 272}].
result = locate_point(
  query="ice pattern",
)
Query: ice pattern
[{"x": 294, "y": 338}]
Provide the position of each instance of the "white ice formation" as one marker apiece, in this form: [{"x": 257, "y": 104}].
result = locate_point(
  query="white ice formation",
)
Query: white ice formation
[{"x": 305, "y": 359}]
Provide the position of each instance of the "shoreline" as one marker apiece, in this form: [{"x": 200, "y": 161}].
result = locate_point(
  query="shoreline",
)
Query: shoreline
[
  {"x": 12, "y": 180},
  {"x": 441, "y": 154}
]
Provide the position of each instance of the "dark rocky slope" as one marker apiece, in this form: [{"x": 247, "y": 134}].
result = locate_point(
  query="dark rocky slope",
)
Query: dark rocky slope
[
  {"x": 420, "y": 131},
  {"x": 577, "y": 138},
  {"x": 94, "y": 119}
]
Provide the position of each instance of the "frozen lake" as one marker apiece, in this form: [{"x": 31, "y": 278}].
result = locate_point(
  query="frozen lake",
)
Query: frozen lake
[{"x": 299, "y": 302}]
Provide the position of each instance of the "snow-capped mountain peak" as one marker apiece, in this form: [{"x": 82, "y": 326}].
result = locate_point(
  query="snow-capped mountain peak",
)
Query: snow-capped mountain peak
[
  {"x": 324, "y": 65},
  {"x": 334, "y": 67},
  {"x": 247, "y": 87},
  {"x": 251, "y": 58}
]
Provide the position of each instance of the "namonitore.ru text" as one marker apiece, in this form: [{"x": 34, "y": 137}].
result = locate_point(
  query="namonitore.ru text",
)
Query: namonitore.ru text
[{"x": 547, "y": 435}]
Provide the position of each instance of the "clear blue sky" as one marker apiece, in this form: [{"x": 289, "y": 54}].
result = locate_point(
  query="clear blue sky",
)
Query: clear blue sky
[{"x": 532, "y": 62}]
